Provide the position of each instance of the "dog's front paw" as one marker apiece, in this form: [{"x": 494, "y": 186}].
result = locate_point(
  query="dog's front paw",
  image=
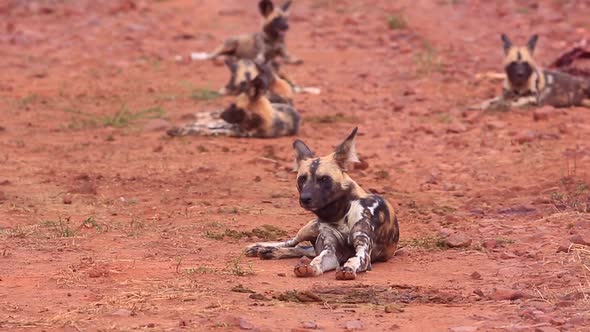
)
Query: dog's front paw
[
  {"x": 268, "y": 253},
  {"x": 345, "y": 273},
  {"x": 252, "y": 250},
  {"x": 304, "y": 269}
]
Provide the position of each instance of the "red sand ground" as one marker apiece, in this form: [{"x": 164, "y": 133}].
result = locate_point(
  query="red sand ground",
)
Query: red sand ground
[{"x": 139, "y": 246}]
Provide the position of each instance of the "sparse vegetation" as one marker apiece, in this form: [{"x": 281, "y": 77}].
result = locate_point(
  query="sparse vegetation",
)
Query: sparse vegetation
[
  {"x": 427, "y": 59},
  {"x": 61, "y": 227},
  {"x": 204, "y": 94},
  {"x": 425, "y": 243},
  {"x": 122, "y": 118},
  {"x": 334, "y": 118},
  {"x": 396, "y": 22},
  {"x": 264, "y": 232}
]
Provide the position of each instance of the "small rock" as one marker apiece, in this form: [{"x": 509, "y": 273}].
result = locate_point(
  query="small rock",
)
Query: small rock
[
  {"x": 506, "y": 294},
  {"x": 546, "y": 329},
  {"x": 458, "y": 240},
  {"x": 578, "y": 239},
  {"x": 492, "y": 125},
  {"x": 244, "y": 324},
  {"x": 525, "y": 137},
  {"x": 456, "y": 128},
  {"x": 507, "y": 255},
  {"x": 477, "y": 211},
  {"x": 67, "y": 199},
  {"x": 565, "y": 248},
  {"x": 463, "y": 329},
  {"x": 281, "y": 274},
  {"x": 157, "y": 125},
  {"x": 444, "y": 232},
  {"x": 158, "y": 148},
  {"x": 309, "y": 324},
  {"x": 2, "y": 196},
  {"x": 489, "y": 244},
  {"x": 517, "y": 209},
  {"x": 557, "y": 321},
  {"x": 354, "y": 325},
  {"x": 475, "y": 275},
  {"x": 259, "y": 297},
  {"x": 403, "y": 252},
  {"x": 478, "y": 292},
  {"x": 123, "y": 313},
  {"x": 392, "y": 308},
  {"x": 151, "y": 325},
  {"x": 98, "y": 272}
]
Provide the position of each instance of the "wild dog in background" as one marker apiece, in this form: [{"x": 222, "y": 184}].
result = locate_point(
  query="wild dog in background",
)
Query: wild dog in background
[
  {"x": 527, "y": 84},
  {"x": 281, "y": 88},
  {"x": 353, "y": 228},
  {"x": 260, "y": 46},
  {"x": 251, "y": 115}
]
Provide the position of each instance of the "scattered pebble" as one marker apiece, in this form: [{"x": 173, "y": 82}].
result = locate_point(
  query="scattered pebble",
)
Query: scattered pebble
[
  {"x": 123, "y": 313},
  {"x": 506, "y": 294},
  {"x": 458, "y": 240},
  {"x": 309, "y": 324},
  {"x": 67, "y": 199},
  {"x": 463, "y": 329},
  {"x": 354, "y": 325},
  {"x": 489, "y": 244},
  {"x": 244, "y": 324},
  {"x": 393, "y": 308},
  {"x": 525, "y": 137},
  {"x": 475, "y": 275}
]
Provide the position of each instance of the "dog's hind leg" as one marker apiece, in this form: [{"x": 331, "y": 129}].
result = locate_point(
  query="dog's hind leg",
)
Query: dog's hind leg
[
  {"x": 228, "y": 48},
  {"x": 360, "y": 238},
  {"x": 330, "y": 244},
  {"x": 278, "y": 250}
]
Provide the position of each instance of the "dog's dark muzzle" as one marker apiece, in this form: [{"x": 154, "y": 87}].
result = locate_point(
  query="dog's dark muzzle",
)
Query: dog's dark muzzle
[{"x": 519, "y": 73}]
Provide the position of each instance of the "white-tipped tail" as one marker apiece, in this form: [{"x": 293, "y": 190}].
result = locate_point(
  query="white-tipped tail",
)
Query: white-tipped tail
[{"x": 198, "y": 56}]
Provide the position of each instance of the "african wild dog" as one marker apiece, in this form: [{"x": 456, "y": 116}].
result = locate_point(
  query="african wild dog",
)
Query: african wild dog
[
  {"x": 251, "y": 115},
  {"x": 242, "y": 71},
  {"x": 353, "y": 228},
  {"x": 527, "y": 84},
  {"x": 260, "y": 46},
  {"x": 281, "y": 88}
]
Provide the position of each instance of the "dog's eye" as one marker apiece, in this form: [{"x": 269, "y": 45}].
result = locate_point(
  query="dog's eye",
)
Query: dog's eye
[
  {"x": 325, "y": 179},
  {"x": 301, "y": 180}
]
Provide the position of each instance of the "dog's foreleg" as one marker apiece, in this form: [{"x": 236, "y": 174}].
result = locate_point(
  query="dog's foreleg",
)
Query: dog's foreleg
[
  {"x": 524, "y": 101},
  {"x": 327, "y": 243},
  {"x": 286, "y": 249},
  {"x": 361, "y": 239},
  {"x": 289, "y": 58}
]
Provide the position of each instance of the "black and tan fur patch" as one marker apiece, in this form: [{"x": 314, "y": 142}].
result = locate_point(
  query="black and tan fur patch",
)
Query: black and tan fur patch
[
  {"x": 353, "y": 228},
  {"x": 527, "y": 84},
  {"x": 263, "y": 46},
  {"x": 251, "y": 115}
]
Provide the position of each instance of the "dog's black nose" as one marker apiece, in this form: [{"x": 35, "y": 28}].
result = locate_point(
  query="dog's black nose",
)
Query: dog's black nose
[{"x": 305, "y": 199}]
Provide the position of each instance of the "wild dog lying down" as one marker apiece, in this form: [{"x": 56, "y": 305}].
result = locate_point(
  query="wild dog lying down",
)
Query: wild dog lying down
[
  {"x": 281, "y": 88},
  {"x": 261, "y": 46},
  {"x": 527, "y": 84},
  {"x": 252, "y": 115},
  {"x": 353, "y": 228}
]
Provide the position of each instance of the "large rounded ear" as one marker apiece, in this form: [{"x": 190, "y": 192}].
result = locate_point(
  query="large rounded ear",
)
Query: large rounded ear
[
  {"x": 285, "y": 6},
  {"x": 266, "y": 7},
  {"x": 507, "y": 44},
  {"x": 302, "y": 152},
  {"x": 346, "y": 152},
  {"x": 532, "y": 43},
  {"x": 257, "y": 87}
]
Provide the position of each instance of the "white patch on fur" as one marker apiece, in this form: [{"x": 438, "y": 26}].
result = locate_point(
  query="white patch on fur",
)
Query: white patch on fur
[
  {"x": 373, "y": 207},
  {"x": 199, "y": 56},
  {"x": 354, "y": 214},
  {"x": 549, "y": 79}
]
